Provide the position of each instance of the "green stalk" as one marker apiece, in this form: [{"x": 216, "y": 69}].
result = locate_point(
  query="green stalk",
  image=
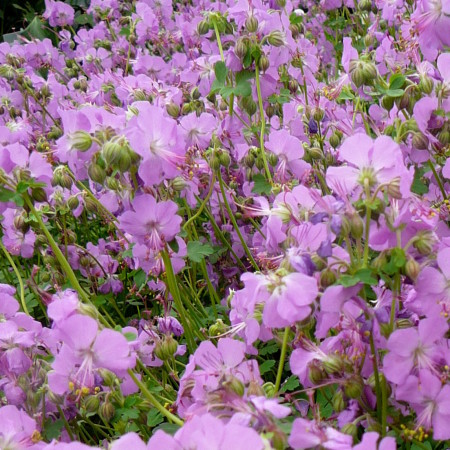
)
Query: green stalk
[
  {"x": 58, "y": 254},
  {"x": 235, "y": 225},
  {"x": 219, "y": 42},
  {"x": 173, "y": 289},
  {"x": 173, "y": 418},
  {"x": 263, "y": 126},
  {"x": 282, "y": 358},
  {"x": 438, "y": 179},
  {"x": 377, "y": 376},
  {"x": 19, "y": 278}
]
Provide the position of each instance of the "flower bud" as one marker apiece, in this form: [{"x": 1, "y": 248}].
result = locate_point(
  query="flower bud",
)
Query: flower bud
[
  {"x": 276, "y": 38},
  {"x": 214, "y": 162},
  {"x": 73, "y": 202},
  {"x": 420, "y": 141},
  {"x": 424, "y": 242},
  {"x": 315, "y": 374},
  {"x": 91, "y": 404},
  {"x": 369, "y": 72},
  {"x": 333, "y": 364},
  {"x": 88, "y": 310},
  {"x": 426, "y": 84},
  {"x": 327, "y": 278},
  {"x": 251, "y": 24},
  {"x": 387, "y": 102},
  {"x": 356, "y": 226},
  {"x": 270, "y": 111},
  {"x": 272, "y": 158},
  {"x": 353, "y": 387},
  {"x": 240, "y": 48},
  {"x": 195, "y": 93},
  {"x": 38, "y": 194},
  {"x": 107, "y": 411},
  {"x": 255, "y": 389},
  {"x": 351, "y": 429},
  {"x": 166, "y": 348},
  {"x": 96, "y": 173},
  {"x": 203, "y": 27},
  {"x": 224, "y": 158},
  {"x": 80, "y": 140},
  {"x": 293, "y": 86},
  {"x": 178, "y": 184},
  {"x": 108, "y": 377},
  {"x": 21, "y": 224},
  {"x": 249, "y": 160},
  {"x": 279, "y": 439},
  {"x": 269, "y": 389},
  {"x": 335, "y": 140},
  {"x": 173, "y": 110},
  {"x": 370, "y": 40},
  {"x": 393, "y": 188},
  {"x": 263, "y": 63},
  {"x": 318, "y": 114},
  {"x": 357, "y": 77},
  {"x": 235, "y": 385},
  {"x": 338, "y": 401}
]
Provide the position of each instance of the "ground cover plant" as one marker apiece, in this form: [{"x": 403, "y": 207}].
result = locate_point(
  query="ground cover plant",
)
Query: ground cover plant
[{"x": 225, "y": 225}]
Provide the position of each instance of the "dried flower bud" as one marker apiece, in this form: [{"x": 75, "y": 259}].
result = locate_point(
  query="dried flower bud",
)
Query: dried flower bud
[
  {"x": 412, "y": 269},
  {"x": 420, "y": 141}
]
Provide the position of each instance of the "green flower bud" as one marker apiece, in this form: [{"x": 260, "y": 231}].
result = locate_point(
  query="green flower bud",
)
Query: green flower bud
[
  {"x": 424, "y": 242},
  {"x": 293, "y": 86},
  {"x": 335, "y": 140},
  {"x": 203, "y": 27},
  {"x": 224, "y": 158},
  {"x": 96, "y": 173},
  {"x": 318, "y": 114},
  {"x": 249, "y": 160},
  {"x": 235, "y": 385},
  {"x": 272, "y": 158},
  {"x": 316, "y": 374},
  {"x": 251, "y": 24},
  {"x": 240, "y": 48},
  {"x": 112, "y": 183},
  {"x": 279, "y": 439},
  {"x": 108, "y": 377},
  {"x": 214, "y": 162},
  {"x": 269, "y": 389},
  {"x": 338, "y": 401},
  {"x": 270, "y": 111},
  {"x": 250, "y": 106},
  {"x": 91, "y": 404},
  {"x": 358, "y": 77},
  {"x": 186, "y": 108},
  {"x": 333, "y": 364},
  {"x": 327, "y": 278},
  {"x": 426, "y": 84},
  {"x": 356, "y": 226},
  {"x": 276, "y": 38},
  {"x": 369, "y": 40},
  {"x": 255, "y": 389},
  {"x": 80, "y": 140},
  {"x": 354, "y": 386},
  {"x": 178, "y": 184},
  {"x": 263, "y": 63},
  {"x": 21, "y": 224},
  {"x": 412, "y": 269},
  {"x": 365, "y": 5},
  {"x": 107, "y": 411},
  {"x": 351, "y": 429},
  {"x": 315, "y": 153},
  {"x": 195, "y": 93},
  {"x": 173, "y": 110},
  {"x": 369, "y": 72},
  {"x": 387, "y": 102},
  {"x": 73, "y": 202},
  {"x": 166, "y": 348},
  {"x": 38, "y": 194},
  {"x": 393, "y": 188}
]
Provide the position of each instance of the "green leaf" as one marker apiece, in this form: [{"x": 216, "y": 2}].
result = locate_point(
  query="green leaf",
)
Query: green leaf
[
  {"x": 397, "y": 81},
  {"x": 170, "y": 428},
  {"x": 226, "y": 91},
  {"x": 418, "y": 186},
  {"x": 348, "y": 280},
  {"x": 244, "y": 75},
  {"x": 130, "y": 337},
  {"x": 154, "y": 417},
  {"x": 266, "y": 366},
  {"x": 243, "y": 89},
  {"x": 221, "y": 72},
  {"x": 269, "y": 349},
  {"x": 52, "y": 430},
  {"x": 196, "y": 250},
  {"x": 394, "y": 93},
  {"x": 346, "y": 95},
  {"x": 366, "y": 277},
  {"x": 246, "y": 62},
  {"x": 290, "y": 384},
  {"x": 261, "y": 186},
  {"x": 173, "y": 244},
  {"x": 140, "y": 278},
  {"x": 9, "y": 196}
]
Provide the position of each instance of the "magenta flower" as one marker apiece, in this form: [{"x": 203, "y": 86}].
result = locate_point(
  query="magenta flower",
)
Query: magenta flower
[
  {"x": 430, "y": 400},
  {"x": 371, "y": 162},
  {"x": 59, "y": 14},
  {"x": 414, "y": 348},
  {"x": 16, "y": 429},
  {"x": 151, "y": 223},
  {"x": 84, "y": 351}
]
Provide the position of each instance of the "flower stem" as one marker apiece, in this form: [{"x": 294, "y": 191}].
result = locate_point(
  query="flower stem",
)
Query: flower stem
[
  {"x": 172, "y": 417},
  {"x": 263, "y": 125},
  {"x": 235, "y": 225},
  {"x": 282, "y": 358},
  {"x": 19, "y": 278},
  {"x": 438, "y": 180}
]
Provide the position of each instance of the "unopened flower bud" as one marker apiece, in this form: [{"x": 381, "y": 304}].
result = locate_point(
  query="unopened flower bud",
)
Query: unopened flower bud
[
  {"x": 387, "y": 102},
  {"x": 263, "y": 63},
  {"x": 356, "y": 226},
  {"x": 251, "y": 23},
  {"x": 89, "y": 310},
  {"x": 203, "y": 27},
  {"x": 38, "y": 194},
  {"x": 333, "y": 364},
  {"x": 426, "y": 84},
  {"x": 195, "y": 93},
  {"x": 107, "y": 411},
  {"x": 393, "y": 188},
  {"x": 272, "y": 158},
  {"x": 338, "y": 401},
  {"x": 224, "y": 158},
  {"x": 279, "y": 440},
  {"x": 235, "y": 385},
  {"x": 249, "y": 160},
  {"x": 178, "y": 184},
  {"x": 420, "y": 141},
  {"x": 270, "y": 111},
  {"x": 91, "y": 404},
  {"x": 276, "y": 38},
  {"x": 166, "y": 348},
  {"x": 318, "y": 114},
  {"x": 335, "y": 140},
  {"x": 240, "y": 48},
  {"x": 73, "y": 202},
  {"x": 369, "y": 72},
  {"x": 255, "y": 389},
  {"x": 108, "y": 377},
  {"x": 350, "y": 429},
  {"x": 81, "y": 140},
  {"x": 21, "y": 224},
  {"x": 214, "y": 162},
  {"x": 327, "y": 278},
  {"x": 173, "y": 110},
  {"x": 96, "y": 173},
  {"x": 315, "y": 374},
  {"x": 217, "y": 328},
  {"x": 269, "y": 389},
  {"x": 424, "y": 242},
  {"x": 293, "y": 86},
  {"x": 357, "y": 76},
  {"x": 353, "y": 387}
]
